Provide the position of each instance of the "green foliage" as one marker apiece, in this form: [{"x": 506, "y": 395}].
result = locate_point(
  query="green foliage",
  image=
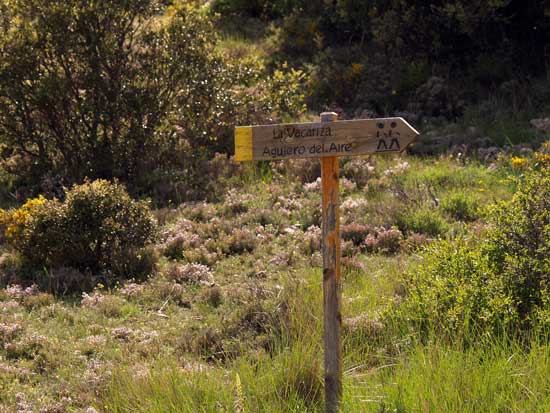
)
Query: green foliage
[
  {"x": 455, "y": 292},
  {"x": 259, "y": 315},
  {"x": 399, "y": 44},
  {"x": 436, "y": 377},
  {"x": 519, "y": 245},
  {"x": 131, "y": 90},
  {"x": 461, "y": 206},
  {"x": 283, "y": 95},
  {"x": 499, "y": 283},
  {"x": 423, "y": 220},
  {"x": 97, "y": 229}
]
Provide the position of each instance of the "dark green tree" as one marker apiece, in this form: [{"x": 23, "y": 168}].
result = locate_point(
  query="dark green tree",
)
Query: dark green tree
[{"x": 105, "y": 89}]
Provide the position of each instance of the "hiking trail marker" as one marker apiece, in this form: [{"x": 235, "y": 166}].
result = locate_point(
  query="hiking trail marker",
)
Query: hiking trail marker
[{"x": 326, "y": 140}]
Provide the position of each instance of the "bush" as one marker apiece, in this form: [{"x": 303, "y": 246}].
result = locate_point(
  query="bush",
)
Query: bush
[
  {"x": 497, "y": 284},
  {"x": 519, "y": 244},
  {"x": 356, "y": 233},
  {"x": 98, "y": 229},
  {"x": 421, "y": 220},
  {"x": 344, "y": 43},
  {"x": 414, "y": 242},
  {"x": 190, "y": 274},
  {"x": 241, "y": 241},
  {"x": 461, "y": 206},
  {"x": 384, "y": 240},
  {"x": 454, "y": 292},
  {"x": 111, "y": 97}
]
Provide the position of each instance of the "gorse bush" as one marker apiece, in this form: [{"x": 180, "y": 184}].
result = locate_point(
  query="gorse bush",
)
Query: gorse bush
[
  {"x": 493, "y": 285},
  {"x": 12, "y": 222},
  {"x": 98, "y": 230}
]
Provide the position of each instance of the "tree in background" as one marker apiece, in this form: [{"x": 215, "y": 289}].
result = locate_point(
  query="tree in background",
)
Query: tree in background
[
  {"x": 379, "y": 52},
  {"x": 130, "y": 89}
]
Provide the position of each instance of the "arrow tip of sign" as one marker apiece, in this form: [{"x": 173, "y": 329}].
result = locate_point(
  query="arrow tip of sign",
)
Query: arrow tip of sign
[{"x": 409, "y": 125}]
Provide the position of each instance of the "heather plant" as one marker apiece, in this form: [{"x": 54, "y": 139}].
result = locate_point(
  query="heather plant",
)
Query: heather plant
[
  {"x": 355, "y": 232},
  {"x": 384, "y": 240},
  {"x": 240, "y": 241},
  {"x": 358, "y": 170},
  {"x": 190, "y": 274},
  {"x": 306, "y": 170},
  {"x": 311, "y": 240}
]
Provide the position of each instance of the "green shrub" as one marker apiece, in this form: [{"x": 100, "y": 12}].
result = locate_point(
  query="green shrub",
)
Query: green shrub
[
  {"x": 98, "y": 229},
  {"x": 453, "y": 291},
  {"x": 10, "y": 266},
  {"x": 422, "y": 220},
  {"x": 519, "y": 244},
  {"x": 461, "y": 206},
  {"x": 500, "y": 283},
  {"x": 134, "y": 90}
]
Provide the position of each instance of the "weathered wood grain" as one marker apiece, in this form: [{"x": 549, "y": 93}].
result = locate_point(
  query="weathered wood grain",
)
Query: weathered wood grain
[
  {"x": 319, "y": 139},
  {"x": 331, "y": 279}
]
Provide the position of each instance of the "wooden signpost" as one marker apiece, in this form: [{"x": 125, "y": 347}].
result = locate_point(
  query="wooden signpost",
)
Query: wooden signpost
[{"x": 327, "y": 140}]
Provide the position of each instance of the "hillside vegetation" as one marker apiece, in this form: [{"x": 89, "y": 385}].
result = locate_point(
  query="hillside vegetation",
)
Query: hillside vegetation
[
  {"x": 231, "y": 320},
  {"x": 143, "y": 270}
]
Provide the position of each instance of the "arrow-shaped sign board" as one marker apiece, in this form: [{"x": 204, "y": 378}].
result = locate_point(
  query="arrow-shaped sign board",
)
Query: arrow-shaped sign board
[
  {"x": 307, "y": 140},
  {"x": 327, "y": 139}
]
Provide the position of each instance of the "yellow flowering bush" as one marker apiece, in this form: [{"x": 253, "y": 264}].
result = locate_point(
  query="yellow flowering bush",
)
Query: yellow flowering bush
[
  {"x": 355, "y": 71},
  {"x": 13, "y": 222},
  {"x": 518, "y": 162},
  {"x": 542, "y": 156},
  {"x": 98, "y": 230},
  {"x": 3, "y": 216}
]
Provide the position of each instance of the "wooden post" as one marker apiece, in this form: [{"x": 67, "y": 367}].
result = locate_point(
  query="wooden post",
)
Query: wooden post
[
  {"x": 327, "y": 140},
  {"x": 331, "y": 279}
]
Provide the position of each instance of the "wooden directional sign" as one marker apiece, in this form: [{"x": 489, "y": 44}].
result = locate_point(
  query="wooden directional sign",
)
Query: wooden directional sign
[
  {"x": 328, "y": 140},
  {"x": 318, "y": 139}
]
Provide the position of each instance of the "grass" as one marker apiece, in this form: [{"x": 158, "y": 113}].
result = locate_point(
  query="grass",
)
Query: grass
[
  {"x": 440, "y": 377},
  {"x": 167, "y": 346}
]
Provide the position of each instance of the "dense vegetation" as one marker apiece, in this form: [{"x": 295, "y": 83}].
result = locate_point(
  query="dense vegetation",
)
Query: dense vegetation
[
  {"x": 129, "y": 90},
  {"x": 87, "y": 89},
  {"x": 143, "y": 270},
  {"x": 380, "y": 55}
]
